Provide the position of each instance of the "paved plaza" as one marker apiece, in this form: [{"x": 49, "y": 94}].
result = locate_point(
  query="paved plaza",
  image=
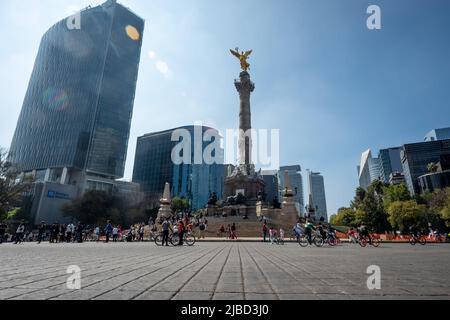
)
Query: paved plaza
[{"x": 218, "y": 271}]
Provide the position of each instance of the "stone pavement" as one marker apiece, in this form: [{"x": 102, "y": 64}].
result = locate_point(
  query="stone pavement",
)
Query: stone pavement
[{"x": 211, "y": 271}]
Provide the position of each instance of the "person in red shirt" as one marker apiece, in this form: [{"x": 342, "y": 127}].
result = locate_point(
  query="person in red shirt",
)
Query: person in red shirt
[{"x": 181, "y": 230}]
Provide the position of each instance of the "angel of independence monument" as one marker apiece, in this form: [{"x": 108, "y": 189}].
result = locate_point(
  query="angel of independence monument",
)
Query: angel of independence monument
[{"x": 244, "y": 185}]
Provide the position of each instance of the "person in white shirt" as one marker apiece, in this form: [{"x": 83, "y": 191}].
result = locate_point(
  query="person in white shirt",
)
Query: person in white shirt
[{"x": 115, "y": 234}]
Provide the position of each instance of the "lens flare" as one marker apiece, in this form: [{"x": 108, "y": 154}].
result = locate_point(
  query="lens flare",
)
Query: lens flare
[
  {"x": 133, "y": 33},
  {"x": 55, "y": 99}
]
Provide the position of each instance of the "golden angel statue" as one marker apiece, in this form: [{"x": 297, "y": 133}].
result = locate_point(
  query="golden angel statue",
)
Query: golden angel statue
[{"x": 242, "y": 56}]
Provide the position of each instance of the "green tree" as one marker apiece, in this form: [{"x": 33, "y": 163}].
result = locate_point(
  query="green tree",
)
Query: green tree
[
  {"x": 439, "y": 204},
  {"x": 96, "y": 207},
  {"x": 345, "y": 217},
  {"x": 405, "y": 214},
  {"x": 396, "y": 192},
  {"x": 180, "y": 204},
  {"x": 15, "y": 190}
]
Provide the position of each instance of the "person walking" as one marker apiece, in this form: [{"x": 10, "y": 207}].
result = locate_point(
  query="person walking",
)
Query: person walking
[
  {"x": 3, "y": 228},
  {"x": 115, "y": 234},
  {"x": 181, "y": 230},
  {"x": 141, "y": 232},
  {"x": 20, "y": 232},
  {"x": 108, "y": 230},
  {"x": 97, "y": 233},
  {"x": 233, "y": 232},
  {"x": 202, "y": 228},
  {"x": 264, "y": 231},
  {"x": 79, "y": 233},
  {"x": 41, "y": 232},
  {"x": 272, "y": 235}
]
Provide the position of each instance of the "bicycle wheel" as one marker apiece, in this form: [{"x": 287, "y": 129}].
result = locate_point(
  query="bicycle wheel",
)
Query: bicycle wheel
[
  {"x": 303, "y": 241},
  {"x": 362, "y": 242},
  {"x": 376, "y": 242},
  {"x": 174, "y": 240},
  {"x": 332, "y": 242},
  {"x": 158, "y": 240},
  {"x": 423, "y": 241},
  {"x": 412, "y": 241},
  {"x": 318, "y": 241},
  {"x": 190, "y": 239}
]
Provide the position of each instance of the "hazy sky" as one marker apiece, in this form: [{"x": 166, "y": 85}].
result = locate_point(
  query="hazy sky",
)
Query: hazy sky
[{"x": 330, "y": 85}]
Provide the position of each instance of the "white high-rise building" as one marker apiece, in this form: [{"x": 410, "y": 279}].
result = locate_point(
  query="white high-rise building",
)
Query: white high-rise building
[{"x": 369, "y": 170}]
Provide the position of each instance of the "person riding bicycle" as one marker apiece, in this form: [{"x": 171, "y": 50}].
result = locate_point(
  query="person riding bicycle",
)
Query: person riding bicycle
[
  {"x": 321, "y": 232},
  {"x": 309, "y": 227},
  {"x": 331, "y": 233},
  {"x": 414, "y": 232},
  {"x": 364, "y": 232},
  {"x": 352, "y": 235},
  {"x": 298, "y": 230}
]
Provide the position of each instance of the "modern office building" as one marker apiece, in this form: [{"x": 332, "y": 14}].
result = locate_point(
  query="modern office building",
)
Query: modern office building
[
  {"x": 154, "y": 167},
  {"x": 417, "y": 156},
  {"x": 271, "y": 188},
  {"x": 295, "y": 175},
  {"x": 438, "y": 134},
  {"x": 390, "y": 163},
  {"x": 73, "y": 130},
  {"x": 369, "y": 170},
  {"x": 317, "y": 195}
]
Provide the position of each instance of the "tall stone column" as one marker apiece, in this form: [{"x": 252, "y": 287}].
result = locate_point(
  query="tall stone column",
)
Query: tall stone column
[{"x": 245, "y": 87}]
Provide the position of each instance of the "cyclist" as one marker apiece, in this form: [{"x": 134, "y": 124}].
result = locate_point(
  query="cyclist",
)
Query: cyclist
[
  {"x": 352, "y": 236},
  {"x": 364, "y": 232},
  {"x": 308, "y": 231},
  {"x": 413, "y": 232},
  {"x": 331, "y": 233},
  {"x": 181, "y": 229},
  {"x": 321, "y": 232},
  {"x": 298, "y": 230}
]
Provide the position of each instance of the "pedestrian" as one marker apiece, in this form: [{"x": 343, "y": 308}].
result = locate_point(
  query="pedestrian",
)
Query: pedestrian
[
  {"x": 41, "y": 232},
  {"x": 272, "y": 235},
  {"x": 264, "y": 231},
  {"x": 20, "y": 232},
  {"x": 108, "y": 230},
  {"x": 97, "y": 233},
  {"x": 141, "y": 232},
  {"x": 115, "y": 234},
  {"x": 181, "y": 230},
  {"x": 233, "y": 232},
  {"x": 165, "y": 232},
  {"x": 282, "y": 235},
  {"x": 3, "y": 228},
  {"x": 79, "y": 233},
  {"x": 202, "y": 228}
]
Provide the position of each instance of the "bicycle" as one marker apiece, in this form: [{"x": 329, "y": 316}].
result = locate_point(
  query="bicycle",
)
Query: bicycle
[
  {"x": 188, "y": 238},
  {"x": 364, "y": 240},
  {"x": 317, "y": 240},
  {"x": 418, "y": 239}
]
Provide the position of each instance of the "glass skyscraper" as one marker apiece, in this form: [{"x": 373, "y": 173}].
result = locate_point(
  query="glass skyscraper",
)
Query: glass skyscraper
[
  {"x": 295, "y": 175},
  {"x": 390, "y": 163},
  {"x": 417, "y": 156},
  {"x": 78, "y": 107},
  {"x": 317, "y": 194},
  {"x": 369, "y": 169},
  {"x": 154, "y": 167}
]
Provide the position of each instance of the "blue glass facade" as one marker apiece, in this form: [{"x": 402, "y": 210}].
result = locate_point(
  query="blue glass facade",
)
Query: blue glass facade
[
  {"x": 416, "y": 157},
  {"x": 153, "y": 167},
  {"x": 78, "y": 107},
  {"x": 390, "y": 163}
]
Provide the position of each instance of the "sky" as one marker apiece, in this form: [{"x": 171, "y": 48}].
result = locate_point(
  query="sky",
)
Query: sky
[{"x": 333, "y": 87}]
